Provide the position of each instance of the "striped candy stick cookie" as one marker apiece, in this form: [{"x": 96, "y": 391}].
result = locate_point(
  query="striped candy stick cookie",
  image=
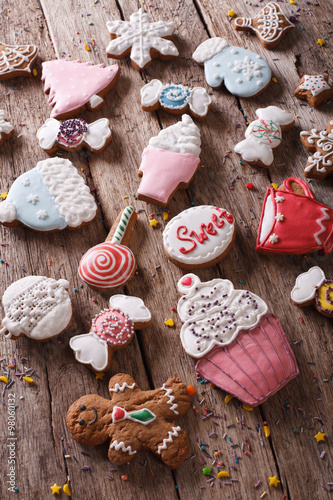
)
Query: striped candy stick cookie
[{"x": 111, "y": 264}]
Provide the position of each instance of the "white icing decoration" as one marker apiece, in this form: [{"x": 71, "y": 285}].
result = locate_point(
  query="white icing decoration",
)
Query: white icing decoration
[
  {"x": 171, "y": 434},
  {"x": 171, "y": 398},
  {"x": 247, "y": 67},
  {"x": 121, "y": 387},
  {"x": 210, "y": 248},
  {"x": 90, "y": 350},
  {"x": 325, "y": 212},
  {"x": 47, "y": 134},
  {"x": 36, "y": 306},
  {"x": 32, "y": 198},
  {"x": 273, "y": 238},
  {"x": 95, "y": 101},
  {"x": 315, "y": 84},
  {"x": 279, "y": 199},
  {"x": 183, "y": 137},
  {"x": 263, "y": 135},
  {"x": 141, "y": 36},
  {"x": 305, "y": 286},
  {"x": 121, "y": 446},
  {"x": 42, "y": 214},
  {"x": 5, "y": 126},
  {"x": 7, "y": 212},
  {"x": 71, "y": 194},
  {"x": 134, "y": 307},
  {"x": 267, "y": 219},
  {"x": 25, "y": 182},
  {"x": 209, "y": 48},
  {"x": 324, "y": 141},
  {"x": 214, "y": 312},
  {"x": 279, "y": 217},
  {"x": 150, "y": 93}
]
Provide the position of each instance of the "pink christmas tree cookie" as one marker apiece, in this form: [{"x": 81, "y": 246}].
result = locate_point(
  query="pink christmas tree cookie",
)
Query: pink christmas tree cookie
[
  {"x": 169, "y": 162},
  {"x": 73, "y": 86},
  {"x": 240, "y": 347}
]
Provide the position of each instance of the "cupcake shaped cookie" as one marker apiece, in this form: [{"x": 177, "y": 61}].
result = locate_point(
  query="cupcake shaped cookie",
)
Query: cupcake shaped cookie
[
  {"x": 169, "y": 162},
  {"x": 239, "y": 346}
]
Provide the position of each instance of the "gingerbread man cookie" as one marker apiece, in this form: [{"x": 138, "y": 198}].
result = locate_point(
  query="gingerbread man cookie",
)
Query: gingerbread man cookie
[
  {"x": 175, "y": 99},
  {"x": 6, "y": 128},
  {"x": 312, "y": 288},
  {"x": 315, "y": 89},
  {"x": 270, "y": 25},
  {"x": 16, "y": 60},
  {"x": 111, "y": 329},
  {"x": 141, "y": 40},
  {"x": 73, "y": 135},
  {"x": 111, "y": 264},
  {"x": 37, "y": 307},
  {"x": 264, "y": 135},
  {"x": 133, "y": 420},
  {"x": 320, "y": 164}
]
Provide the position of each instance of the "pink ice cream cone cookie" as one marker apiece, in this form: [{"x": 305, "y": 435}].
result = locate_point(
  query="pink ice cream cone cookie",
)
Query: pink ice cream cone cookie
[
  {"x": 111, "y": 264},
  {"x": 239, "y": 346},
  {"x": 169, "y": 162}
]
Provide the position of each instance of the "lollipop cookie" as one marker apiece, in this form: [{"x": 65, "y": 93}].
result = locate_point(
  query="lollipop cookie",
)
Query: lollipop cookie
[
  {"x": 50, "y": 197},
  {"x": 240, "y": 347},
  {"x": 37, "y": 307},
  {"x": 169, "y": 162},
  {"x": 111, "y": 329},
  {"x": 312, "y": 288},
  {"x": 111, "y": 264},
  {"x": 74, "y": 134}
]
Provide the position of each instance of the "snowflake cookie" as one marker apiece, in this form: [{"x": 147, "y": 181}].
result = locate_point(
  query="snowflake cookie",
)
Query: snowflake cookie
[
  {"x": 315, "y": 89},
  {"x": 320, "y": 143},
  {"x": 141, "y": 40},
  {"x": 16, "y": 60},
  {"x": 244, "y": 73}
]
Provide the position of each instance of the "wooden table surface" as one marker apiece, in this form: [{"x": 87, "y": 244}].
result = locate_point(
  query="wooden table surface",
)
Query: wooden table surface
[{"x": 294, "y": 415}]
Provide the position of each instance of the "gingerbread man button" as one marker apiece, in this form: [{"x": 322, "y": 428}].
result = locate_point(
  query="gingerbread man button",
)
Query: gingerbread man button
[
  {"x": 133, "y": 420},
  {"x": 320, "y": 143}
]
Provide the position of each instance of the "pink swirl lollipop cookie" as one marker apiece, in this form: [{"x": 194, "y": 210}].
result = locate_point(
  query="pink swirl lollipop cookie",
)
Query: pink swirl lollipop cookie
[{"x": 111, "y": 264}]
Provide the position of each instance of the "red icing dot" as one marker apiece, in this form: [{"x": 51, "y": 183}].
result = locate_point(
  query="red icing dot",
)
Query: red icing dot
[
  {"x": 118, "y": 414},
  {"x": 187, "y": 281}
]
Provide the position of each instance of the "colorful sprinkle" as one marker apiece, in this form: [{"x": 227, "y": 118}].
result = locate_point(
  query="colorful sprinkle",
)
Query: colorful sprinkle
[
  {"x": 191, "y": 390},
  {"x": 273, "y": 481},
  {"x": 153, "y": 223},
  {"x": 169, "y": 322}
]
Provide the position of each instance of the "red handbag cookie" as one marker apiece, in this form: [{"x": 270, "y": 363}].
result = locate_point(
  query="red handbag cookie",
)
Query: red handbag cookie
[
  {"x": 133, "y": 420},
  {"x": 294, "y": 222}
]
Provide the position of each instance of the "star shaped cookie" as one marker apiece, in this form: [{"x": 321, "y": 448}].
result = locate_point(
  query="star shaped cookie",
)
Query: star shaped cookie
[
  {"x": 320, "y": 143},
  {"x": 315, "y": 89}
]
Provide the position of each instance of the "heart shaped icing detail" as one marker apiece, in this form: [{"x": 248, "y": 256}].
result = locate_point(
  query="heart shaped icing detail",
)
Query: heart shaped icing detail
[
  {"x": 118, "y": 414},
  {"x": 187, "y": 281}
]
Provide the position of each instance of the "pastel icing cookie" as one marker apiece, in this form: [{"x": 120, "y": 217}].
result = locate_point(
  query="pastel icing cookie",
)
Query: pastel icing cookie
[
  {"x": 111, "y": 264},
  {"x": 6, "y": 128},
  {"x": 175, "y": 99},
  {"x": 73, "y": 135},
  {"x": 73, "y": 86},
  {"x": 240, "y": 347},
  {"x": 199, "y": 237},
  {"x": 112, "y": 329},
  {"x": 293, "y": 222},
  {"x": 264, "y": 135},
  {"x": 16, "y": 60},
  {"x": 141, "y": 40},
  {"x": 244, "y": 73},
  {"x": 49, "y": 197},
  {"x": 37, "y": 307},
  {"x": 270, "y": 25},
  {"x": 312, "y": 288},
  {"x": 320, "y": 143},
  {"x": 169, "y": 162},
  {"x": 133, "y": 420},
  {"x": 315, "y": 89}
]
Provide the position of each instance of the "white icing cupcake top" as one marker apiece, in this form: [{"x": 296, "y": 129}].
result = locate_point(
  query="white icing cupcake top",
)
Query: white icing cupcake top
[
  {"x": 36, "y": 306},
  {"x": 214, "y": 312},
  {"x": 183, "y": 137}
]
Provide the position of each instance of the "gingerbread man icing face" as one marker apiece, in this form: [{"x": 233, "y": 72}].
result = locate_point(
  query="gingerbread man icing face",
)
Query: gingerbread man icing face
[{"x": 133, "y": 420}]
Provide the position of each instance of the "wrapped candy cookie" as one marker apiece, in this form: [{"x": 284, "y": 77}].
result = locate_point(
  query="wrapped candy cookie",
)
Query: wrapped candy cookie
[
  {"x": 111, "y": 264},
  {"x": 49, "y": 197},
  {"x": 240, "y": 347},
  {"x": 244, "y": 73},
  {"x": 133, "y": 420},
  {"x": 264, "y": 135},
  {"x": 73, "y": 135},
  {"x": 175, "y": 99},
  {"x": 170, "y": 162},
  {"x": 111, "y": 329},
  {"x": 312, "y": 288},
  {"x": 36, "y": 307}
]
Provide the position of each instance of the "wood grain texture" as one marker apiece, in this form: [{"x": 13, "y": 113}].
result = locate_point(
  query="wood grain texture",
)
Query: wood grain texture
[{"x": 156, "y": 353}]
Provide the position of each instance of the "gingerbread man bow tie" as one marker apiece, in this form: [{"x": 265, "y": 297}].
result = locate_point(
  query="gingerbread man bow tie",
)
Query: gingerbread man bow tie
[{"x": 133, "y": 420}]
